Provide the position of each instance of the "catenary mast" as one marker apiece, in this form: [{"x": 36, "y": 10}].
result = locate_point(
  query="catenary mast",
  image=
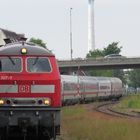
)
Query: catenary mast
[{"x": 91, "y": 31}]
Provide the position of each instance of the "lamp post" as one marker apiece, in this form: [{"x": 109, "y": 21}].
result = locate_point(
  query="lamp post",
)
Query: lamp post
[{"x": 71, "y": 51}]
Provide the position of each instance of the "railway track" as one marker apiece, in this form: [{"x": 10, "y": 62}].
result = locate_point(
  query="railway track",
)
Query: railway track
[{"x": 106, "y": 108}]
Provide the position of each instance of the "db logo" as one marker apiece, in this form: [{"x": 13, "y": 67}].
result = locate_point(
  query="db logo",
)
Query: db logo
[{"x": 24, "y": 88}]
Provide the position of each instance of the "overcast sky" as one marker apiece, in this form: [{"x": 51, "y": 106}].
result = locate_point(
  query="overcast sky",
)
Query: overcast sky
[{"x": 115, "y": 20}]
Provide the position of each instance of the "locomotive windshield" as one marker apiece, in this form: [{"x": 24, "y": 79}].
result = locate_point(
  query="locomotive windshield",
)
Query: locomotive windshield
[
  {"x": 38, "y": 64},
  {"x": 10, "y": 64}
]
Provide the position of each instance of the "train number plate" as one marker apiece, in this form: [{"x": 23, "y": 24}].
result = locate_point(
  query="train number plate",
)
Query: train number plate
[{"x": 24, "y": 88}]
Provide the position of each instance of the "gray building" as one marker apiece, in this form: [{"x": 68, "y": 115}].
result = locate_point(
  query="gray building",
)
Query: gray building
[{"x": 4, "y": 34}]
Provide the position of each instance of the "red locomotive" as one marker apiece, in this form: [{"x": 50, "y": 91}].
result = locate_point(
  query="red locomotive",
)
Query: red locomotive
[{"x": 30, "y": 98}]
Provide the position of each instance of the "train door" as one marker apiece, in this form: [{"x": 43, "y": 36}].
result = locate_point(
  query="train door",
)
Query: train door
[{"x": 82, "y": 88}]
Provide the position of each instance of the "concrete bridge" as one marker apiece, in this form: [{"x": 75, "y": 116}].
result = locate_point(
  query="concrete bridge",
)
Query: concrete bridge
[{"x": 99, "y": 63}]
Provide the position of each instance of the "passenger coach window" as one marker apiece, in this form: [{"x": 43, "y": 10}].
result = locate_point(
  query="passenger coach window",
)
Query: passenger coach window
[
  {"x": 10, "y": 64},
  {"x": 38, "y": 64}
]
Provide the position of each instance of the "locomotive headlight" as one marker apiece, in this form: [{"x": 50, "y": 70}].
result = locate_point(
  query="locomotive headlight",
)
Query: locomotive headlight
[
  {"x": 1, "y": 101},
  {"x": 47, "y": 102},
  {"x": 23, "y": 51}
]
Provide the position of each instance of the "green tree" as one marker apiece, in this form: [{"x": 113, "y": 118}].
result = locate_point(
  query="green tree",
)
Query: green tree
[
  {"x": 106, "y": 73},
  {"x": 120, "y": 74},
  {"x": 38, "y": 42},
  {"x": 112, "y": 48},
  {"x": 134, "y": 78},
  {"x": 94, "y": 54}
]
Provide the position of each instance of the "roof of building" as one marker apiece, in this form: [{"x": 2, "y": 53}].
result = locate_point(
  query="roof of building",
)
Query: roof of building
[{"x": 13, "y": 36}]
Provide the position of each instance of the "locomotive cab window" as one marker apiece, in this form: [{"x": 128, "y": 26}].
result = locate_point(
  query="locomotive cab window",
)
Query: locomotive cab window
[
  {"x": 10, "y": 64},
  {"x": 38, "y": 64}
]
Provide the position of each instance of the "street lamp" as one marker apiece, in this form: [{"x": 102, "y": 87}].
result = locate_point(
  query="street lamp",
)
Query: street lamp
[{"x": 71, "y": 51}]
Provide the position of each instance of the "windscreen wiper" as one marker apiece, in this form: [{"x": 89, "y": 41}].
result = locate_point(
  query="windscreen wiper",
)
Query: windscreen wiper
[
  {"x": 36, "y": 59},
  {"x": 11, "y": 60}
]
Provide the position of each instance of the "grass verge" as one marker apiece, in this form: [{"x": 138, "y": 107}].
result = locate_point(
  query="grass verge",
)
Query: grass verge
[
  {"x": 80, "y": 123},
  {"x": 128, "y": 104}
]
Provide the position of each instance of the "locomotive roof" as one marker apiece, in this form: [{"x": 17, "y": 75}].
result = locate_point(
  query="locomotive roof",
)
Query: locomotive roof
[{"x": 32, "y": 49}]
